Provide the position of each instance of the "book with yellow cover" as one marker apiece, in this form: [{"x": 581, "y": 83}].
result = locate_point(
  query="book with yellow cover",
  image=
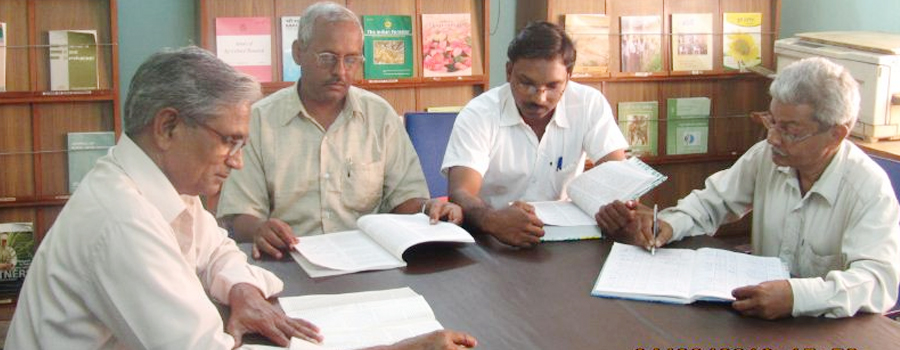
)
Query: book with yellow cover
[
  {"x": 692, "y": 42},
  {"x": 590, "y": 32},
  {"x": 742, "y": 40}
]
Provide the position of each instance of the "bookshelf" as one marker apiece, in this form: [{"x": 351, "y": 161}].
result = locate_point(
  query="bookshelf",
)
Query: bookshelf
[
  {"x": 405, "y": 95},
  {"x": 734, "y": 94},
  {"x": 34, "y": 121}
]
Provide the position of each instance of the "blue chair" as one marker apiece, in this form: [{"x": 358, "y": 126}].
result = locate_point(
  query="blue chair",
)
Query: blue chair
[
  {"x": 429, "y": 133},
  {"x": 892, "y": 167}
]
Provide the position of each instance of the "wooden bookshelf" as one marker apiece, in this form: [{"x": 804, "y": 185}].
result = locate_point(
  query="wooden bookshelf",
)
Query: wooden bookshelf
[
  {"x": 34, "y": 121},
  {"x": 405, "y": 95}
]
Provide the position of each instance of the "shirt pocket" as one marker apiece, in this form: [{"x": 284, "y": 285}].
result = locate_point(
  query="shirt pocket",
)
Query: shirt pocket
[
  {"x": 813, "y": 264},
  {"x": 362, "y": 188},
  {"x": 562, "y": 176}
]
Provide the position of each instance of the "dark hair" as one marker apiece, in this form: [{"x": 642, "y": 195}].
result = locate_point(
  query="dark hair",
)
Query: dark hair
[{"x": 542, "y": 40}]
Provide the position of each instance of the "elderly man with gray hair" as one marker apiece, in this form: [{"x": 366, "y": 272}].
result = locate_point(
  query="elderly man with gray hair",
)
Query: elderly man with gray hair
[{"x": 819, "y": 204}]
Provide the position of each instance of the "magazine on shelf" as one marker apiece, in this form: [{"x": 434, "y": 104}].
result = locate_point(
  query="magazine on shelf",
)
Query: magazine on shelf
[
  {"x": 388, "y": 47},
  {"x": 73, "y": 60},
  {"x": 590, "y": 32},
  {"x": 446, "y": 45},
  {"x": 741, "y": 40},
  {"x": 246, "y": 44},
  {"x": 692, "y": 43},
  {"x": 290, "y": 70}
]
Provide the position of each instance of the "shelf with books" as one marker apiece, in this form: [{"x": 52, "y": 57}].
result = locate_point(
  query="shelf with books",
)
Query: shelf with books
[{"x": 405, "y": 92}]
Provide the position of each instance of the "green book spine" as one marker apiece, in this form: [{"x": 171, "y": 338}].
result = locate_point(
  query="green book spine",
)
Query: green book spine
[
  {"x": 687, "y": 130},
  {"x": 639, "y": 122},
  {"x": 388, "y": 47}
]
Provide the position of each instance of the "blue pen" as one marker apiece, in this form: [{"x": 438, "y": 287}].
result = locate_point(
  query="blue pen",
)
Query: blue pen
[{"x": 559, "y": 164}]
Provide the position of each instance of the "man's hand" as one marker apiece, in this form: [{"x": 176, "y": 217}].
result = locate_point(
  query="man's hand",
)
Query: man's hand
[
  {"x": 516, "y": 225},
  {"x": 273, "y": 237},
  {"x": 632, "y": 223},
  {"x": 768, "y": 300},
  {"x": 439, "y": 210},
  {"x": 252, "y": 313},
  {"x": 437, "y": 340}
]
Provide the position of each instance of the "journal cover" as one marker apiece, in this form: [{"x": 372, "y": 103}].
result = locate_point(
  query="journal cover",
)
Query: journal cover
[
  {"x": 246, "y": 44},
  {"x": 446, "y": 44},
  {"x": 388, "y": 47},
  {"x": 73, "y": 60}
]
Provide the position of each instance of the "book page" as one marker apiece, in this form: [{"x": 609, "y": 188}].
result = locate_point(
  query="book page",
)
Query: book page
[
  {"x": 718, "y": 272},
  {"x": 610, "y": 181},
  {"x": 397, "y": 232},
  {"x": 354, "y": 320},
  {"x": 631, "y": 272},
  {"x": 562, "y": 213},
  {"x": 571, "y": 233},
  {"x": 349, "y": 251}
]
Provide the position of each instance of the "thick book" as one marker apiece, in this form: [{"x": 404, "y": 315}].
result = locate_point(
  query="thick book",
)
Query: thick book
[
  {"x": 687, "y": 127},
  {"x": 641, "y": 38},
  {"x": 83, "y": 150},
  {"x": 741, "y": 40},
  {"x": 3, "y": 36},
  {"x": 365, "y": 319},
  {"x": 692, "y": 42},
  {"x": 682, "y": 276},
  {"x": 590, "y": 32},
  {"x": 290, "y": 70},
  {"x": 378, "y": 244},
  {"x": 603, "y": 184},
  {"x": 639, "y": 122},
  {"x": 446, "y": 45},
  {"x": 388, "y": 47},
  {"x": 73, "y": 60},
  {"x": 246, "y": 44},
  {"x": 16, "y": 252}
]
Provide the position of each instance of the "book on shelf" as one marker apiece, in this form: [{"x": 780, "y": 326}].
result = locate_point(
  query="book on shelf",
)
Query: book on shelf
[
  {"x": 370, "y": 318},
  {"x": 741, "y": 40},
  {"x": 692, "y": 43},
  {"x": 590, "y": 32},
  {"x": 682, "y": 276},
  {"x": 377, "y": 244},
  {"x": 641, "y": 38},
  {"x": 16, "y": 252},
  {"x": 388, "y": 48},
  {"x": 84, "y": 148},
  {"x": 3, "y": 36},
  {"x": 246, "y": 44},
  {"x": 444, "y": 109},
  {"x": 73, "y": 60},
  {"x": 687, "y": 125},
  {"x": 603, "y": 184},
  {"x": 639, "y": 122},
  {"x": 290, "y": 70},
  {"x": 446, "y": 45}
]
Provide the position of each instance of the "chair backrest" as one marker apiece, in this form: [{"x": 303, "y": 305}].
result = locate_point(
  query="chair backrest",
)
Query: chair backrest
[
  {"x": 429, "y": 133},
  {"x": 892, "y": 167}
]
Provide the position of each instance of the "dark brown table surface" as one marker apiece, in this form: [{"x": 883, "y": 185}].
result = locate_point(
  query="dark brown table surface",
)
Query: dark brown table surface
[{"x": 540, "y": 299}]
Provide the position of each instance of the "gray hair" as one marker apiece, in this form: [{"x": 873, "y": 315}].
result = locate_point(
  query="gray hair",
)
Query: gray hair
[
  {"x": 327, "y": 12},
  {"x": 191, "y": 80},
  {"x": 823, "y": 85}
]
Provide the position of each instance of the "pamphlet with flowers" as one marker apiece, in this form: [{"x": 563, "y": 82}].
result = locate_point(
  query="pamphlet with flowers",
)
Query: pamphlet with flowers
[
  {"x": 446, "y": 45},
  {"x": 742, "y": 42}
]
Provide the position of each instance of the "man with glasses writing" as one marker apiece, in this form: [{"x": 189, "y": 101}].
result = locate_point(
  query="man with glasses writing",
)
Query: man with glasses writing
[
  {"x": 322, "y": 152},
  {"x": 819, "y": 204},
  {"x": 525, "y": 140}
]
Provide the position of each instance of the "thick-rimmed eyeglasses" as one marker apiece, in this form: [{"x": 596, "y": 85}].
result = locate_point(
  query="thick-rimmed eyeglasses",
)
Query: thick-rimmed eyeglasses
[
  {"x": 236, "y": 143},
  {"x": 327, "y": 60},
  {"x": 786, "y": 137}
]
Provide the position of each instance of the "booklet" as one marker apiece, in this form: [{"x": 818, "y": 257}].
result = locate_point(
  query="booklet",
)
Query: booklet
[
  {"x": 682, "y": 276},
  {"x": 603, "y": 184},
  {"x": 378, "y": 244}
]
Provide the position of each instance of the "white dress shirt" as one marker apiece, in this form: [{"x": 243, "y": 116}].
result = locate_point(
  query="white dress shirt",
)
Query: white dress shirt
[
  {"x": 841, "y": 241},
  {"x": 490, "y": 137},
  {"x": 128, "y": 265}
]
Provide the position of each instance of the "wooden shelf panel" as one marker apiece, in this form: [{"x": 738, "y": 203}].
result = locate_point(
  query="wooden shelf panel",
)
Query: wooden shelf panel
[{"x": 18, "y": 97}]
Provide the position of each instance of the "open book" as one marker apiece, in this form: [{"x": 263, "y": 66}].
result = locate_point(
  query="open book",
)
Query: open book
[
  {"x": 605, "y": 183},
  {"x": 682, "y": 276},
  {"x": 378, "y": 244}
]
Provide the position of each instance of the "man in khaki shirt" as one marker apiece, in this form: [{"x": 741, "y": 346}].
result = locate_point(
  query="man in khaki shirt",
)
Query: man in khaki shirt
[{"x": 323, "y": 153}]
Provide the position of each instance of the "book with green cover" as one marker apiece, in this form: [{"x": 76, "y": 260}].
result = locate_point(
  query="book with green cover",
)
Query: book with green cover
[
  {"x": 73, "y": 60},
  {"x": 687, "y": 128},
  {"x": 639, "y": 122},
  {"x": 388, "y": 47},
  {"x": 84, "y": 148},
  {"x": 16, "y": 252}
]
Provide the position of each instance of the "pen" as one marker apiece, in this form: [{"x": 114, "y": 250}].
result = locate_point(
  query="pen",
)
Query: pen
[
  {"x": 559, "y": 164},
  {"x": 655, "y": 232}
]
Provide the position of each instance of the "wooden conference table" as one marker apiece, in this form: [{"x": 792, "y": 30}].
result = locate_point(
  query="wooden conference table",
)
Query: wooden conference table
[{"x": 540, "y": 299}]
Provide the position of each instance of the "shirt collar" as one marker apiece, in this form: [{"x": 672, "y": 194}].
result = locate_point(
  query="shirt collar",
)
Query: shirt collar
[
  {"x": 509, "y": 113},
  {"x": 295, "y": 108},
  {"x": 148, "y": 178},
  {"x": 828, "y": 184}
]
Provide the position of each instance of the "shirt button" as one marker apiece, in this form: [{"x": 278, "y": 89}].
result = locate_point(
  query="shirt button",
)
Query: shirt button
[
  {"x": 327, "y": 214},
  {"x": 327, "y": 175}
]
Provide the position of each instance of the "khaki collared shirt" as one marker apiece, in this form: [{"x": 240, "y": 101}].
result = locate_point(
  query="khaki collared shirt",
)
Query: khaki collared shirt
[{"x": 317, "y": 180}]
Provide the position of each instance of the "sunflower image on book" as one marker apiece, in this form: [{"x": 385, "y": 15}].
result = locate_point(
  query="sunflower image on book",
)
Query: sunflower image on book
[{"x": 742, "y": 38}]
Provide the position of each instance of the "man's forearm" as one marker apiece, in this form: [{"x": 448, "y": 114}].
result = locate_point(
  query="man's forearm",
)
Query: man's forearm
[
  {"x": 243, "y": 226},
  {"x": 475, "y": 210}
]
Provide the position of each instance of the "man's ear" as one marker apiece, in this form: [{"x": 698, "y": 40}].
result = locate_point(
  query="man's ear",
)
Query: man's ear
[
  {"x": 509, "y": 67},
  {"x": 164, "y": 127},
  {"x": 295, "y": 52},
  {"x": 840, "y": 132}
]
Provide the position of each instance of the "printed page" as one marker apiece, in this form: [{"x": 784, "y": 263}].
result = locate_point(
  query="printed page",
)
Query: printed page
[
  {"x": 348, "y": 251},
  {"x": 607, "y": 182},
  {"x": 354, "y": 320},
  {"x": 397, "y": 232},
  {"x": 562, "y": 213},
  {"x": 630, "y": 272},
  {"x": 718, "y": 272}
]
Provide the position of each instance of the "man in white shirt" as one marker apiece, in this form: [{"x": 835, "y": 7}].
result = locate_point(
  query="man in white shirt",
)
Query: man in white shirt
[
  {"x": 527, "y": 139},
  {"x": 819, "y": 204},
  {"x": 133, "y": 258}
]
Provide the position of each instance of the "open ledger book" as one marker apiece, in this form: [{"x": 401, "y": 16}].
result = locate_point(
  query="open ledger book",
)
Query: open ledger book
[
  {"x": 604, "y": 183},
  {"x": 378, "y": 244},
  {"x": 682, "y": 276}
]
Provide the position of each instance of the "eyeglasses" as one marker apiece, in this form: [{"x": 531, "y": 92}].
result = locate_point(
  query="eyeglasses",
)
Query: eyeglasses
[
  {"x": 327, "y": 60},
  {"x": 772, "y": 126},
  {"x": 237, "y": 143},
  {"x": 553, "y": 90}
]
